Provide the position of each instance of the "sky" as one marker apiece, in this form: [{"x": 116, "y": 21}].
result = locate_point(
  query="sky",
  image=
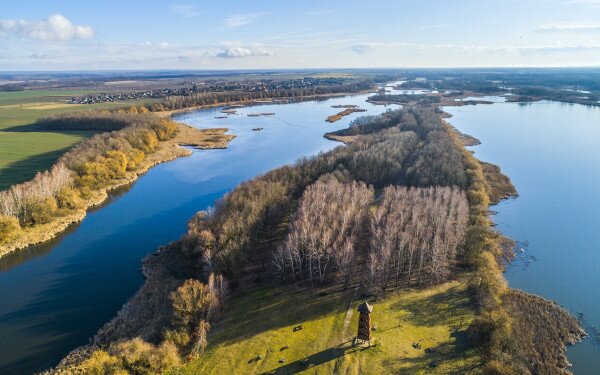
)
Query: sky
[{"x": 271, "y": 34}]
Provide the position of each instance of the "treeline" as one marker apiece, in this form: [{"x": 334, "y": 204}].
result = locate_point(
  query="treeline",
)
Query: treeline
[
  {"x": 193, "y": 305},
  {"x": 455, "y": 83},
  {"x": 491, "y": 328},
  {"x": 95, "y": 163},
  {"x": 533, "y": 93},
  {"x": 519, "y": 333},
  {"x": 213, "y": 98},
  {"x": 561, "y": 87},
  {"x": 101, "y": 120},
  {"x": 406, "y": 98},
  {"x": 417, "y": 120}
]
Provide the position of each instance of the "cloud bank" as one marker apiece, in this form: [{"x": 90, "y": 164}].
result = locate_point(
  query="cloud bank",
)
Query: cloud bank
[
  {"x": 54, "y": 28},
  {"x": 568, "y": 28},
  {"x": 237, "y": 52}
]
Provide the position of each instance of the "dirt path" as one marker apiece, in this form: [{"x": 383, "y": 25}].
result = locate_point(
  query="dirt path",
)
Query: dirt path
[{"x": 350, "y": 311}]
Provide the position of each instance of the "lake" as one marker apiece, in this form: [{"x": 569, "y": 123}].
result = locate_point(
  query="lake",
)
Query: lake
[
  {"x": 551, "y": 152},
  {"x": 55, "y": 296}
]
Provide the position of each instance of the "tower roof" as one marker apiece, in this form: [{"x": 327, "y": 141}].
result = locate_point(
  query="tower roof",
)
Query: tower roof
[{"x": 365, "y": 308}]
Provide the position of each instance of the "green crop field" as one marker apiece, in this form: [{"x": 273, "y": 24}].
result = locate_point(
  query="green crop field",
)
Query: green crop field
[
  {"x": 24, "y": 150},
  {"x": 417, "y": 331}
]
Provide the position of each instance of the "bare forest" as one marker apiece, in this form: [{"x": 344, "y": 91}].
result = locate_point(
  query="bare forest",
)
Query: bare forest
[
  {"x": 416, "y": 236},
  {"x": 326, "y": 231}
]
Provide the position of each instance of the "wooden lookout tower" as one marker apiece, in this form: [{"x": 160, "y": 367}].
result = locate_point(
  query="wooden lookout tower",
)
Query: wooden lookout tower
[{"x": 364, "y": 323}]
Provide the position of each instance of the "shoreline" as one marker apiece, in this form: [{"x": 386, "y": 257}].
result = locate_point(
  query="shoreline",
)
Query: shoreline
[
  {"x": 529, "y": 314},
  {"x": 263, "y": 101},
  {"x": 155, "y": 273},
  {"x": 169, "y": 150}
]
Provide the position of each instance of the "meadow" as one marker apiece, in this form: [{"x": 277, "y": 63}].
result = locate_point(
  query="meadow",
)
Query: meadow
[{"x": 420, "y": 330}]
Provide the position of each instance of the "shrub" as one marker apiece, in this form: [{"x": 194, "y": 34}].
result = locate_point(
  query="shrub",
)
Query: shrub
[
  {"x": 102, "y": 363},
  {"x": 132, "y": 357},
  {"x": 140, "y": 357},
  {"x": 191, "y": 303},
  {"x": 135, "y": 158},
  {"x": 180, "y": 337},
  {"x": 9, "y": 228},
  {"x": 69, "y": 199},
  {"x": 40, "y": 212}
]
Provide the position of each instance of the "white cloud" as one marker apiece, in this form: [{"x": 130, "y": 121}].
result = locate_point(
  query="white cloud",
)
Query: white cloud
[
  {"x": 439, "y": 26},
  {"x": 237, "y": 52},
  {"x": 362, "y": 48},
  {"x": 569, "y": 28},
  {"x": 238, "y": 20},
  {"x": 263, "y": 52},
  {"x": 54, "y": 28},
  {"x": 185, "y": 10}
]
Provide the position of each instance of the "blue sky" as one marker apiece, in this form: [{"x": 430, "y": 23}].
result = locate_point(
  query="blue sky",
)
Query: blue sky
[{"x": 251, "y": 34}]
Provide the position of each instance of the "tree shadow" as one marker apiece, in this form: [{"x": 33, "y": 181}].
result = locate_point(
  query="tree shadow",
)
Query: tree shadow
[
  {"x": 273, "y": 306},
  {"x": 22, "y": 128},
  {"x": 450, "y": 306},
  {"x": 25, "y": 169},
  {"x": 319, "y": 358},
  {"x": 437, "y": 356}
]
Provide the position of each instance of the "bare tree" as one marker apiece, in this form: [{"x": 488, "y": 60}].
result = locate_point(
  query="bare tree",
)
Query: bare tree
[
  {"x": 415, "y": 234},
  {"x": 325, "y": 231},
  {"x": 15, "y": 201}
]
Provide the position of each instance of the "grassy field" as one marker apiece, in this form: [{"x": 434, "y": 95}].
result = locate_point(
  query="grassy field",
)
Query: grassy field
[
  {"x": 262, "y": 324},
  {"x": 23, "y": 149}
]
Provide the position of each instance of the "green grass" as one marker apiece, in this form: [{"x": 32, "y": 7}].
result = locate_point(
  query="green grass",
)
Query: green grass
[
  {"x": 262, "y": 323},
  {"x": 33, "y": 96},
  {"x": 24, "y": 150}
]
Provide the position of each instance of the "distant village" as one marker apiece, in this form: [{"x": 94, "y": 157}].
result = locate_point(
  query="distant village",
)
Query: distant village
[{"x": 205, "y": 87}]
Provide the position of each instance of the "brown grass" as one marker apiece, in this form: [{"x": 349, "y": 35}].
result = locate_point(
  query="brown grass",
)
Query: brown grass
[
  {"x": 541, "y": 330},
  {"x": 499, "y": 186},
  {"x": 345, "y": 112}
]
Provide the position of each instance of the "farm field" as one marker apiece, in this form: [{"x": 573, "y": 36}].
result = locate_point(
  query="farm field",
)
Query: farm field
[{"x": 24, "y": 150}]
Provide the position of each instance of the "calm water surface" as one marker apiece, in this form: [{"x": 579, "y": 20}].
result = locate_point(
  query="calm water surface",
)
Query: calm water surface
[
  {"x": 551, "y": 151},
  {"x": 54, "y": 297}
]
